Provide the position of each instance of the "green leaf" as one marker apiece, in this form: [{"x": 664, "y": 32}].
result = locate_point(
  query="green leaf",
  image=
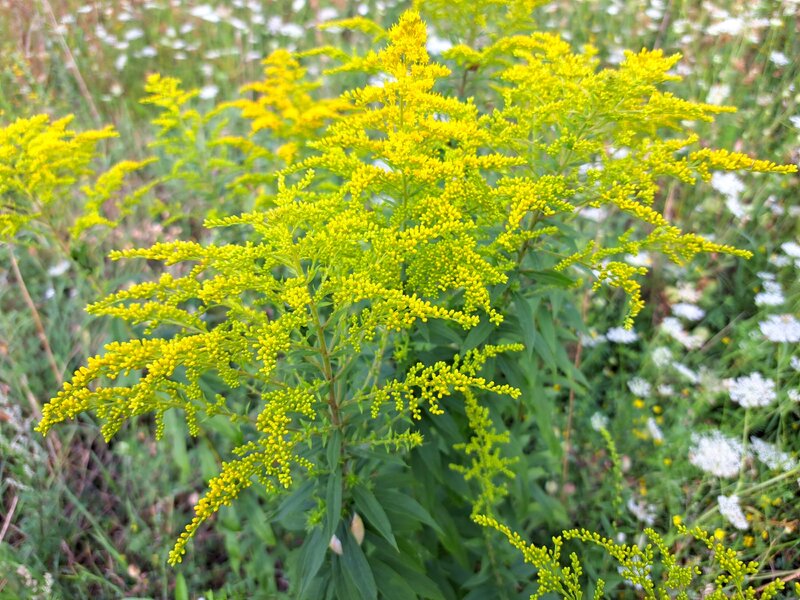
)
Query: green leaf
[
  {"x": 333, "y": 503},
  {"x": 395, "y": 502},
  {"x": 357, "y": 569},
  {"x": 310, "y": 559},
  {"x": 368, "y": 505},
  {"x": 478, "y": 335},
  {"x": 393, "y": 585},
  {"x": 175, "y": 432},
  {"x": 181, "y": 591},
  {"x": 553, "y": 278},
  {"x": 408, "y": 568},
  {"x": 527, "y": 326},
  {"x": 334, "y": 449}
]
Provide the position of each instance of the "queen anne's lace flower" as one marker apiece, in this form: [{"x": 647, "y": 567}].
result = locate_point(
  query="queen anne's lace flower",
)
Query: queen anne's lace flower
[
  {"x": 620, "y": 335},
  {"x": 771, "y": 296},
  {"x": 599, "y": 421},
  {"x": 772, "y": 456},
  {"x": 662, "y": 357},
  {"x": 730, "y": 509},
  {"x": 690, "y": 312},
  {"x": 751, "y": 390},
  {"x": 781, "y": 328},
  {"x": 672, "y": 326},
  {"x": 646, "y": 513},
  {"x": 639, "y": 387},
  {"x": 717, "y": 454}
]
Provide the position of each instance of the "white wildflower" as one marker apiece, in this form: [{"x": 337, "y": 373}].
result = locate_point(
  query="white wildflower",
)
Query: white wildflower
[
  {"x": 120, "y": 62},
  {"x": 639, "y": 387},
  {"x": 781, "y": 328},
  {"x": 690, "y": 312},
  {"x": 662, "y": 356},
  {"x": 672, "y": 326},
  {"x": 688, "y": 293},
  {"x": 791, "y": 248},
  {"x": 205, "y": 12},
  {"x": 732, "y": 26},
  {"x": 794, "y": 362},
  {"x": 646, "y": 513},
  {"x": 716, "y": 453},
  {"x": 718, "y": 93},
  {"x": 599, "y": 421},
  {"x": 592, "y": 339},
  {"x": 666, "y": 390},
  {"x": 209, "y": 92},
  {"x": 779, "y": 59},
  {"x": 728, "y": 184},
  {"x": 655, "y": 430},
  {"x": 794, "y": 395},
  {"x": 688, "y": 373},
  {"x": 772, "y": 456},
  {"x": 134, "y": 34},
  {"x": 771, "y": 296},
  {"x": 779, "y": 260},
  {"x": 58, "y": 269},
  {"x": 620, "y": 335},
  {"x": 730, "y": 509},
  {"x": 752, "y": 390}
]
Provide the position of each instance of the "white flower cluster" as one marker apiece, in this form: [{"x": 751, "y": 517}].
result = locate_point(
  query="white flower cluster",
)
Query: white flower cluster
[
  {"x": 662, "y": 357},
  {"x": 717, "y": 454},
  {"x": 672, "y": 326},
  {"x": 772, "y": 456},
  {"x": 771, "y": 296},
  {"x": 752, "y": 390},
  {"x": 599, "y": 421},
  {"x": 639, "y": 387},
  {"x": 646, "y": 513},
  {"x": 620, "y": 335},
  {"x": 781, "y": 328},
  {"x": 690, "y": 312},
  {"x": 730, "y": 509},
  {"x": 655, "y": 431}
]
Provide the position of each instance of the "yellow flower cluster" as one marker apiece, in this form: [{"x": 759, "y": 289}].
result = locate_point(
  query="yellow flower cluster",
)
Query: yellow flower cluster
[
  {"x": 429, "y": 384},
  {"x": 40, "y": 161},
  {"x": 395, "y": 204}
]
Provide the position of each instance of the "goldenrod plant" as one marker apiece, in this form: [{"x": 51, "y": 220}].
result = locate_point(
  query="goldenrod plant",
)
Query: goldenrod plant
[{"x": 364, "y": 308}]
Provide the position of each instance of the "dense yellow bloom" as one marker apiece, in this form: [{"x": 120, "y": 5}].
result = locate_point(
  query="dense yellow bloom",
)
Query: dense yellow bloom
[{"x": 342, "y": 224}]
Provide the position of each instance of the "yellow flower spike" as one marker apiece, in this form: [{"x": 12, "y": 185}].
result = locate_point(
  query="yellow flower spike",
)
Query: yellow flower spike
[{"x": 396, "y": 205}]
